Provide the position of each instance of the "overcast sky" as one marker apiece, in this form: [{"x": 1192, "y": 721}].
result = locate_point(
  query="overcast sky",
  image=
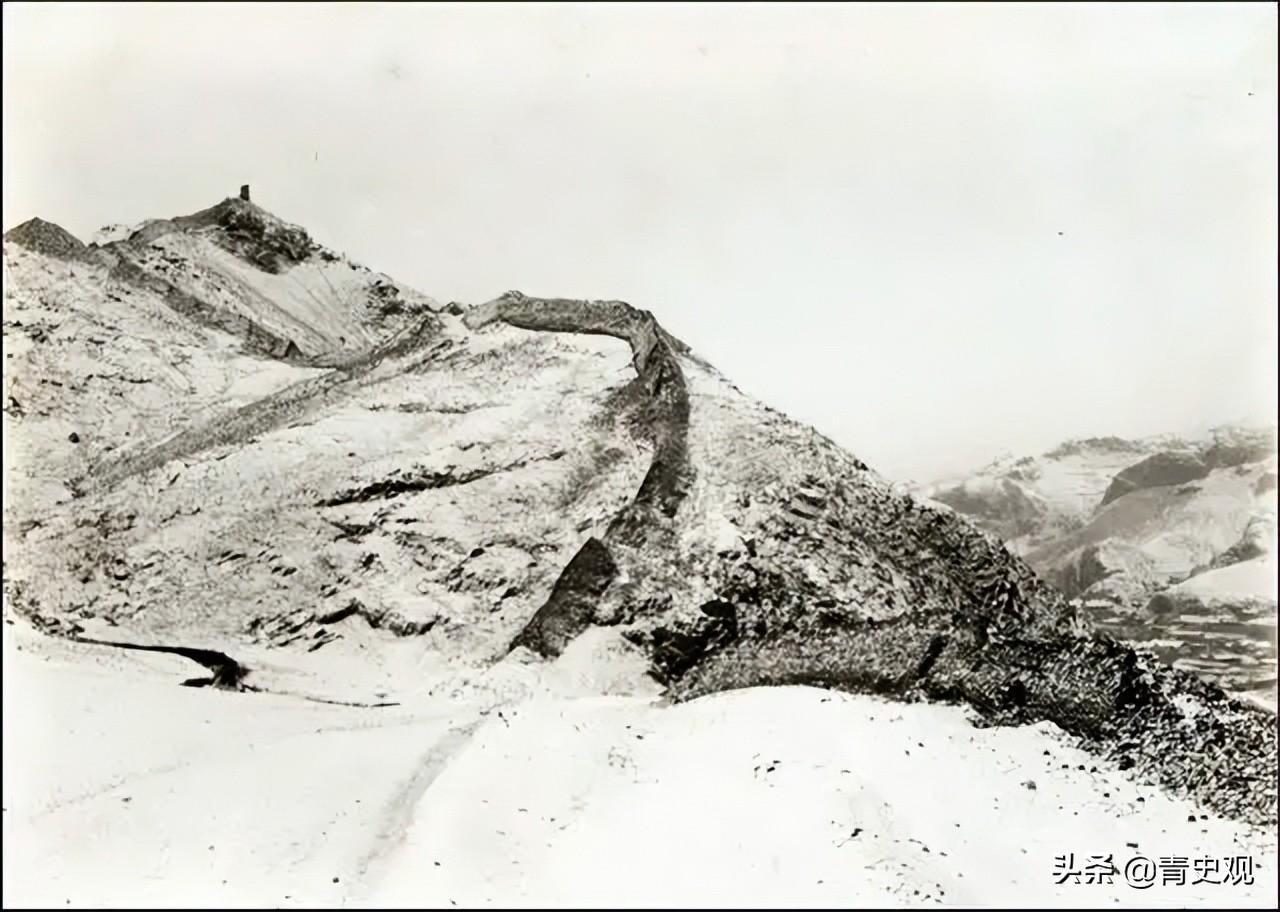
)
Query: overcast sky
[{"x": 937, "y": 233}]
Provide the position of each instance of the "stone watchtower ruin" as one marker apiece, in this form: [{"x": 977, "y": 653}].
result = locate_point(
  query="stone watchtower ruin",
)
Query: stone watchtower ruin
[{"x": 244, "y": 192}]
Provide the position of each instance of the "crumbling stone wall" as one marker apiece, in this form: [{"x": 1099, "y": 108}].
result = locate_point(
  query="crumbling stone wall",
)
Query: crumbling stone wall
[
  {"x": 257, "y": 339},
  {"x": 666, "y": 421},
  {"x": 263, "y": 414},
  {"x": 948, "y": 612}
]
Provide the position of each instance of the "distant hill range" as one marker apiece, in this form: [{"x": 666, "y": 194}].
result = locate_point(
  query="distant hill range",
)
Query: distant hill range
[{"x": 1168, "y": 539}]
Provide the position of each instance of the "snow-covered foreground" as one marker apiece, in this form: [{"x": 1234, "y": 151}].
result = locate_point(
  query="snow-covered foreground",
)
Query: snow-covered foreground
[{"x": 121, "y": 788}]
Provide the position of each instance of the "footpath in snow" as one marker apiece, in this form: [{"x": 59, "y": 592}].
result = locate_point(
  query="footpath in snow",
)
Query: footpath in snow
[{"x": 562, "y": 784}]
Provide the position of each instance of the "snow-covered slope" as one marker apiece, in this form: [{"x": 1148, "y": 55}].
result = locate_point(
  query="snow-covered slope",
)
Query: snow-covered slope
[
  {"x": 427, "y": 511},
  {"x": 244, "y": 262},
  {"x": 1233, "y": 584},
  {"x": 95, "y": 364},
  {"x": 552, "y": 785}
]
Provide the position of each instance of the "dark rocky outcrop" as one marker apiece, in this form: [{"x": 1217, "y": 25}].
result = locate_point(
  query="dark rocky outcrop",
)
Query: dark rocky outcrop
[
  {"x": 253, "y": 234},
  {"x": 1157, "y": 470},
  {"x": 47, "y": 238},
  {"x": 572, "y": 605},
  {"x": 1240, "y": 446},
  {"x": 423, "y": 480},
  {"x": 226, "y": 672},
  {"x": 1185, "y": 733}
]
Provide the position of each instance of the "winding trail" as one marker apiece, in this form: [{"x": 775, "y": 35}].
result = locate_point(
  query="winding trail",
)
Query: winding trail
[{"x": 397, "y": 814}]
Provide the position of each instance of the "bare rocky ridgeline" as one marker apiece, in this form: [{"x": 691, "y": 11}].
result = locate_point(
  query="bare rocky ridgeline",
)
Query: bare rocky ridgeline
[{"x": 227, "y": 438}]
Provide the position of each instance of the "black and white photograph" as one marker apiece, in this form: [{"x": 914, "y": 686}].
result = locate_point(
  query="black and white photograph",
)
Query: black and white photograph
[{"x": 640, "y": 455}]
